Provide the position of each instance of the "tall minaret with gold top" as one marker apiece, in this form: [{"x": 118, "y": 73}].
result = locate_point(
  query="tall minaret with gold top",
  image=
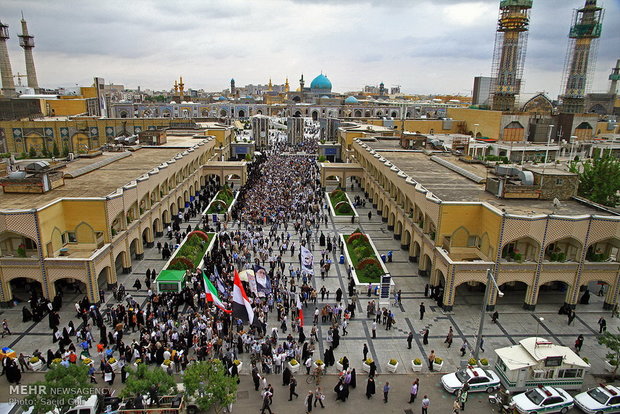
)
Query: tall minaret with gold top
[
  {"x": 287, "y": 88},
  {"x": 181, "y": 88}
]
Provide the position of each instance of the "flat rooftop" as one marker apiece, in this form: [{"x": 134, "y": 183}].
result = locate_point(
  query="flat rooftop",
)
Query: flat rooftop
[
  {"x": 447, "y": 185},
  {"x": 97, "y": 183}
]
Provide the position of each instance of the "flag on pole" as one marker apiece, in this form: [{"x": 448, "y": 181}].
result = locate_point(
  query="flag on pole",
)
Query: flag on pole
[
  {"x": 211, "y": 292},
  {"x": 241, "y": 304},
  {"x": 220, "y": 285},
  {"x": 300, "y": 312}
]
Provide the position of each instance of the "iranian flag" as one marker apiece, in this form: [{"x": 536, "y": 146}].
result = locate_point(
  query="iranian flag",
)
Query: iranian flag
[
  {"x": 211, "y": 292},
  {"x": 241, "y": 304}
]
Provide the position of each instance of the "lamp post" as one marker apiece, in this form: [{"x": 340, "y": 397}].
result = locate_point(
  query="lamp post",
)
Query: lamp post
[
  {"x": 572, "y": 145},
  {"x": 542, "y": 178},
  {"x": 540, "y": 321},
  {"x": 483, "y": 311}
]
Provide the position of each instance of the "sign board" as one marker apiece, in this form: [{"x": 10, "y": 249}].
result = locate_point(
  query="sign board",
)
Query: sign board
[
  {"x": 215, "y": 218},
  {"x": 384, "y": 293}
]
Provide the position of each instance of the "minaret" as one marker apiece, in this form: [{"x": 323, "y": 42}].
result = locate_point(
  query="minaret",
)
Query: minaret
[
  {"x": 8, "y": 85},
  {"x": 181, "y": 88},
  {"x": 26, "y": 41},
  {"x": 584, "y": 34},
  {"x": 381, "y": 89},
  {"x": 232, "y": 88},
  {"x": 614, "y": 78},
  {"x": 270, "y": 86},
  {"x": 287, "y": 88},
  {"x": 509, "y": 54}
]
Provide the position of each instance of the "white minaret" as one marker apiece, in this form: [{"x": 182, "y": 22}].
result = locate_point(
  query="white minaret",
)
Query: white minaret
[
  {"x": 8, "y": 85},
  {"x": 26, "y": 41}
]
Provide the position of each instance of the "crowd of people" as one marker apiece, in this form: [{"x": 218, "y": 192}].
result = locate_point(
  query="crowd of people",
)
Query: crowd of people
[{"x": 278, "y": 210}]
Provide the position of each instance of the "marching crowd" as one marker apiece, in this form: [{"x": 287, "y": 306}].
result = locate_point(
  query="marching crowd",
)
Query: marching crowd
[{"x": 278, "y": 211}]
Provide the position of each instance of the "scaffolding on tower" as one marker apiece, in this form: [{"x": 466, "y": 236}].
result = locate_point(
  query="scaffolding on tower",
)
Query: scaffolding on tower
[
  {"x": 580, "y": 62},
  {"x": 509, "y": 53}
]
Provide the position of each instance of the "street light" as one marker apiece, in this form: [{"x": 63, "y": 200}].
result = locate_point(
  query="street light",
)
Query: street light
[
  {"x": 483, "y": 311},
  {"x": 540, "y": 321},
  {"x": 542, "y": 178},
  {"x": 573, "y": 138}
]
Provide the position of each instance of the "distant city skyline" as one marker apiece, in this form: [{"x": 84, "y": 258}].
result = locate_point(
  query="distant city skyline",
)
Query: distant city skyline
[{"x": 424, "y": 46}]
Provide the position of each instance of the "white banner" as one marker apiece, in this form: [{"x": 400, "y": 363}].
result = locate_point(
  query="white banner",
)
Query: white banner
[{"x": 306, "y": 261}]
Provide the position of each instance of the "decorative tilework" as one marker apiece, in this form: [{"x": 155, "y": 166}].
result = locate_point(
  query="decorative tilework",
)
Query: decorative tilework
[
  {"x": 22, "y": 223},
  {"x": 602, "y": 229},
  {"x": 516, "y": 228},
  {"x": 561, "y": 228}
]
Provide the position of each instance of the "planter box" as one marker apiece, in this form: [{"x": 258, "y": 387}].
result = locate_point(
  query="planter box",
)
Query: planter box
[
  {"x": 342, "y": 218},
  {"x": 294, "y": 368},
  {"x": 165, "y": 367},
  {"x": 484, "y": 366},
  {"x": 239, "y": 366},
  {"x": 220, "y": 216},
  {"x": 211, "y": 243},
  {"x": 365, "y": 367},
  {"x": 354, "y": 273},
  {"x": 115, "y": 366},
  {"x": 392, "y": 368},
  {"x": 416, "y": 368},
  {"x": 315, "y": 366},
  {"x": 339, "y": 366},
  {"x": 37, "y": 366},
  {"x": 438, "y": 367},
  {"x": 609, "y": 367}
]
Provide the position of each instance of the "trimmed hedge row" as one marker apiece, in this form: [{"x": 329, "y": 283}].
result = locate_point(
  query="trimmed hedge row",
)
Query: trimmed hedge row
[
  {"x": 365, "y": 262},
  {"x": 191, "y": 252},
  {"x": 340, "y": 203}
]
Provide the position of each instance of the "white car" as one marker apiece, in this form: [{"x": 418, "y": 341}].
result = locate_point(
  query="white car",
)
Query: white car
[
  {"x": 600, "y": 400},
  {"x": 543, "y": 400},
  {"x": 478, "y": 379}
]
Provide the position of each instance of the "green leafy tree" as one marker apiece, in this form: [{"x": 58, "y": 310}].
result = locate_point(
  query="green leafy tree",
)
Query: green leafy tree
[
  {"x": 140, "y": 380},
  {"x": 73, "y": 380},
  {"x": 599, "y": 179},
  {"x": 32, "y": 153},
  {"x": 56, "y": 150},
  {"x": 65, "y": 151},
  {"x": 207, "y": 384},
  {"x": 612, "y": 343}
]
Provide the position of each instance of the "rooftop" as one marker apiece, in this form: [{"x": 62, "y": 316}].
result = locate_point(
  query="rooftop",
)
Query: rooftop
[
  {"x": 98, "y": 183},
  {"x": 447, "y": 185}
]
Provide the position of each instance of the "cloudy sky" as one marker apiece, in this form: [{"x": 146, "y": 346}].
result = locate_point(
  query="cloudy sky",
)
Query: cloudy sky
[{"x": 434, "y": 46}]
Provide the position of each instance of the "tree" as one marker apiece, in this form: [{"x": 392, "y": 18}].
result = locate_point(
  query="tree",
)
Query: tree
[
  {"x": 72, "y": 381},
  {"x": 140, "y": 380},
  {"x": 612, "y": 343},
  {"x": 599, "y": 179},
  {"x": 33, "y": 152},
  {"x": 208, "y": 384},
  {"x": 65, "y": 151},
  {"x": 55, "y": 150}
]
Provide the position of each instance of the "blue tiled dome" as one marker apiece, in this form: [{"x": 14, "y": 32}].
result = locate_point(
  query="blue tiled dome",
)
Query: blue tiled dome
[
  {"x": 321, "y": 82},
  {"x": 351, "y": 100}
]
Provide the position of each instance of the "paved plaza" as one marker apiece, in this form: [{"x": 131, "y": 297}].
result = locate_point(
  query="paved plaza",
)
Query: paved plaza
[{"x": 514, "y": 324}]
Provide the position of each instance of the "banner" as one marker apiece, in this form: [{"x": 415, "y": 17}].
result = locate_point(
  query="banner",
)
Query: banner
[
  {"x": 248, "y": 276},
  {"x": 306, "y": 261},
  {"x": 263, "y": 284}
]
